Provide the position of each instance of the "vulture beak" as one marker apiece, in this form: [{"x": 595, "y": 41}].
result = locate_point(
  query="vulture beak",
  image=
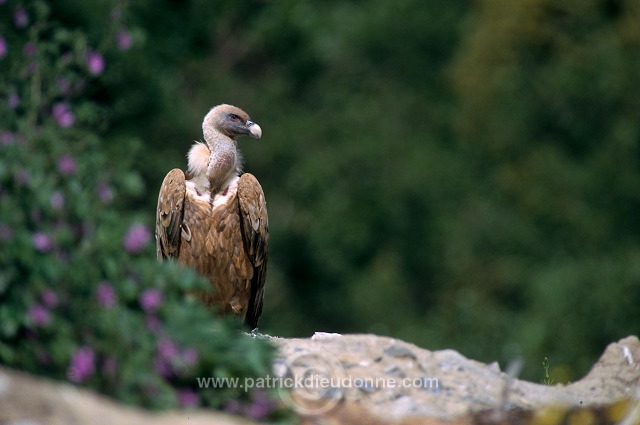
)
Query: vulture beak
[{"x": 254, "y": 129}]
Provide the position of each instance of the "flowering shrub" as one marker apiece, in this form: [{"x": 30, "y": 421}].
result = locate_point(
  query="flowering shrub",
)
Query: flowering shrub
[{"x": 82, "y": 297}]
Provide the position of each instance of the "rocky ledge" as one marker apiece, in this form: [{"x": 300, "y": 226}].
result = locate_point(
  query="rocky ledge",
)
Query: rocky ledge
[
  {"x": 368, "y": 379},
  {"x": 395, "y": 381}
]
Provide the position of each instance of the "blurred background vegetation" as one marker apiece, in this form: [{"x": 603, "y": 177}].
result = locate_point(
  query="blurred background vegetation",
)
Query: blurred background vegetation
[{"x": 457, "y": 174}]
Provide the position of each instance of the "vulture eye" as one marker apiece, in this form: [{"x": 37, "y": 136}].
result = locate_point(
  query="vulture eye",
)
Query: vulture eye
[{"x": 234, "y": 118}]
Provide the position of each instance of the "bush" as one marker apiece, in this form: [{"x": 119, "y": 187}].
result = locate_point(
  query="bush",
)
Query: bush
[{"x": 82, "y": 297}]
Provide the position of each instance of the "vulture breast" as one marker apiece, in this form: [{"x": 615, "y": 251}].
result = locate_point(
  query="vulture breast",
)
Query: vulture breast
[{"x": 212, "y": 243}]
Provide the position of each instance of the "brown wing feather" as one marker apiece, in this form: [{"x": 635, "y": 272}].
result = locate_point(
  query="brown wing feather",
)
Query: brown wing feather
[
  {"x": 254, "y": 225},
  {"x": 169, "y": 214}
]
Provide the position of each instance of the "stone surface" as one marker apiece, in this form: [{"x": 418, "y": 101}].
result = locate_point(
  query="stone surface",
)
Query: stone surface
[
  {"x": 402, "y": 380},
  {"x": 37, "y": 401}
]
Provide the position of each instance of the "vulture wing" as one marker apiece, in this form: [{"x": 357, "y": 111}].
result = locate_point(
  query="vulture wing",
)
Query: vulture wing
[
  {"x": 254, "y": 225},
  {"x": 169, "y": 214}
]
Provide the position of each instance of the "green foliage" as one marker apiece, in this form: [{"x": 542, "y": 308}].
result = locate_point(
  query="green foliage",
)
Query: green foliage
[
  {"x": 546, "y": 95},
  {"x": 82, "y": 297}
]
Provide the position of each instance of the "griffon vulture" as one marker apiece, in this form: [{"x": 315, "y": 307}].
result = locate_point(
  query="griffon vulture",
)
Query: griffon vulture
[{"x": 214, "y": 218}]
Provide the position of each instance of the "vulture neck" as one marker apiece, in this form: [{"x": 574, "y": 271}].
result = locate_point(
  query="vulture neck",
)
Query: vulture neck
[{"x": 224, "y": 163}]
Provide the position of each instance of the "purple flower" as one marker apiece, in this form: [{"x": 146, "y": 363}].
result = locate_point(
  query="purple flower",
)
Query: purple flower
[
  {"x": 95, "y": 62},
  {"x": 259, "y": 407},
  {"x": 57, "y": 200},
  {"x": 39, "y": 315},
  {"x": 20, "y": 17},
  {"x": 29, "y": 49},
  {"x": 167, "y": 349},
  {"x": 190, "y": 356},
  {"x": 123, "y": 39},
  {"x": 13, "y": 101},
  {"x": 3, "y": 47},
  {"x": 150, "y": 300},
  {"x": 42, "y": 242},
  {"x": 63, "y": 115},
  {"x": 66, "y": 165},
  {"x": 49, "y": 298},
  {"x": 106, "y": 295},
  {"x": 6, "y": 138},
  {"x": 187, "y": 398},
  {"x": 105, "y": 193},
  {"x": 82, "y": 364},
  {"x": 162, "y": 366},
  {"x": 137, "y": 238}
]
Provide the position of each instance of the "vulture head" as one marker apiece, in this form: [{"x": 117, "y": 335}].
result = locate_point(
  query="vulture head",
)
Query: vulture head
[{"x": 229, "y": 121}]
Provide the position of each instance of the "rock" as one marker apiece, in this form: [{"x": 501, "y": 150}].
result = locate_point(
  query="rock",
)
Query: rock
[
  {"x": 417, "y": 383},
  {"x": 494, "y": 366},
  {"x": 366, "y": 386},
  {"x": 38, "y": 401},
  {"x": 325, "y": 335},
  {"x": 394, "y": 370},
  {"x": 398, "y": 350}
]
